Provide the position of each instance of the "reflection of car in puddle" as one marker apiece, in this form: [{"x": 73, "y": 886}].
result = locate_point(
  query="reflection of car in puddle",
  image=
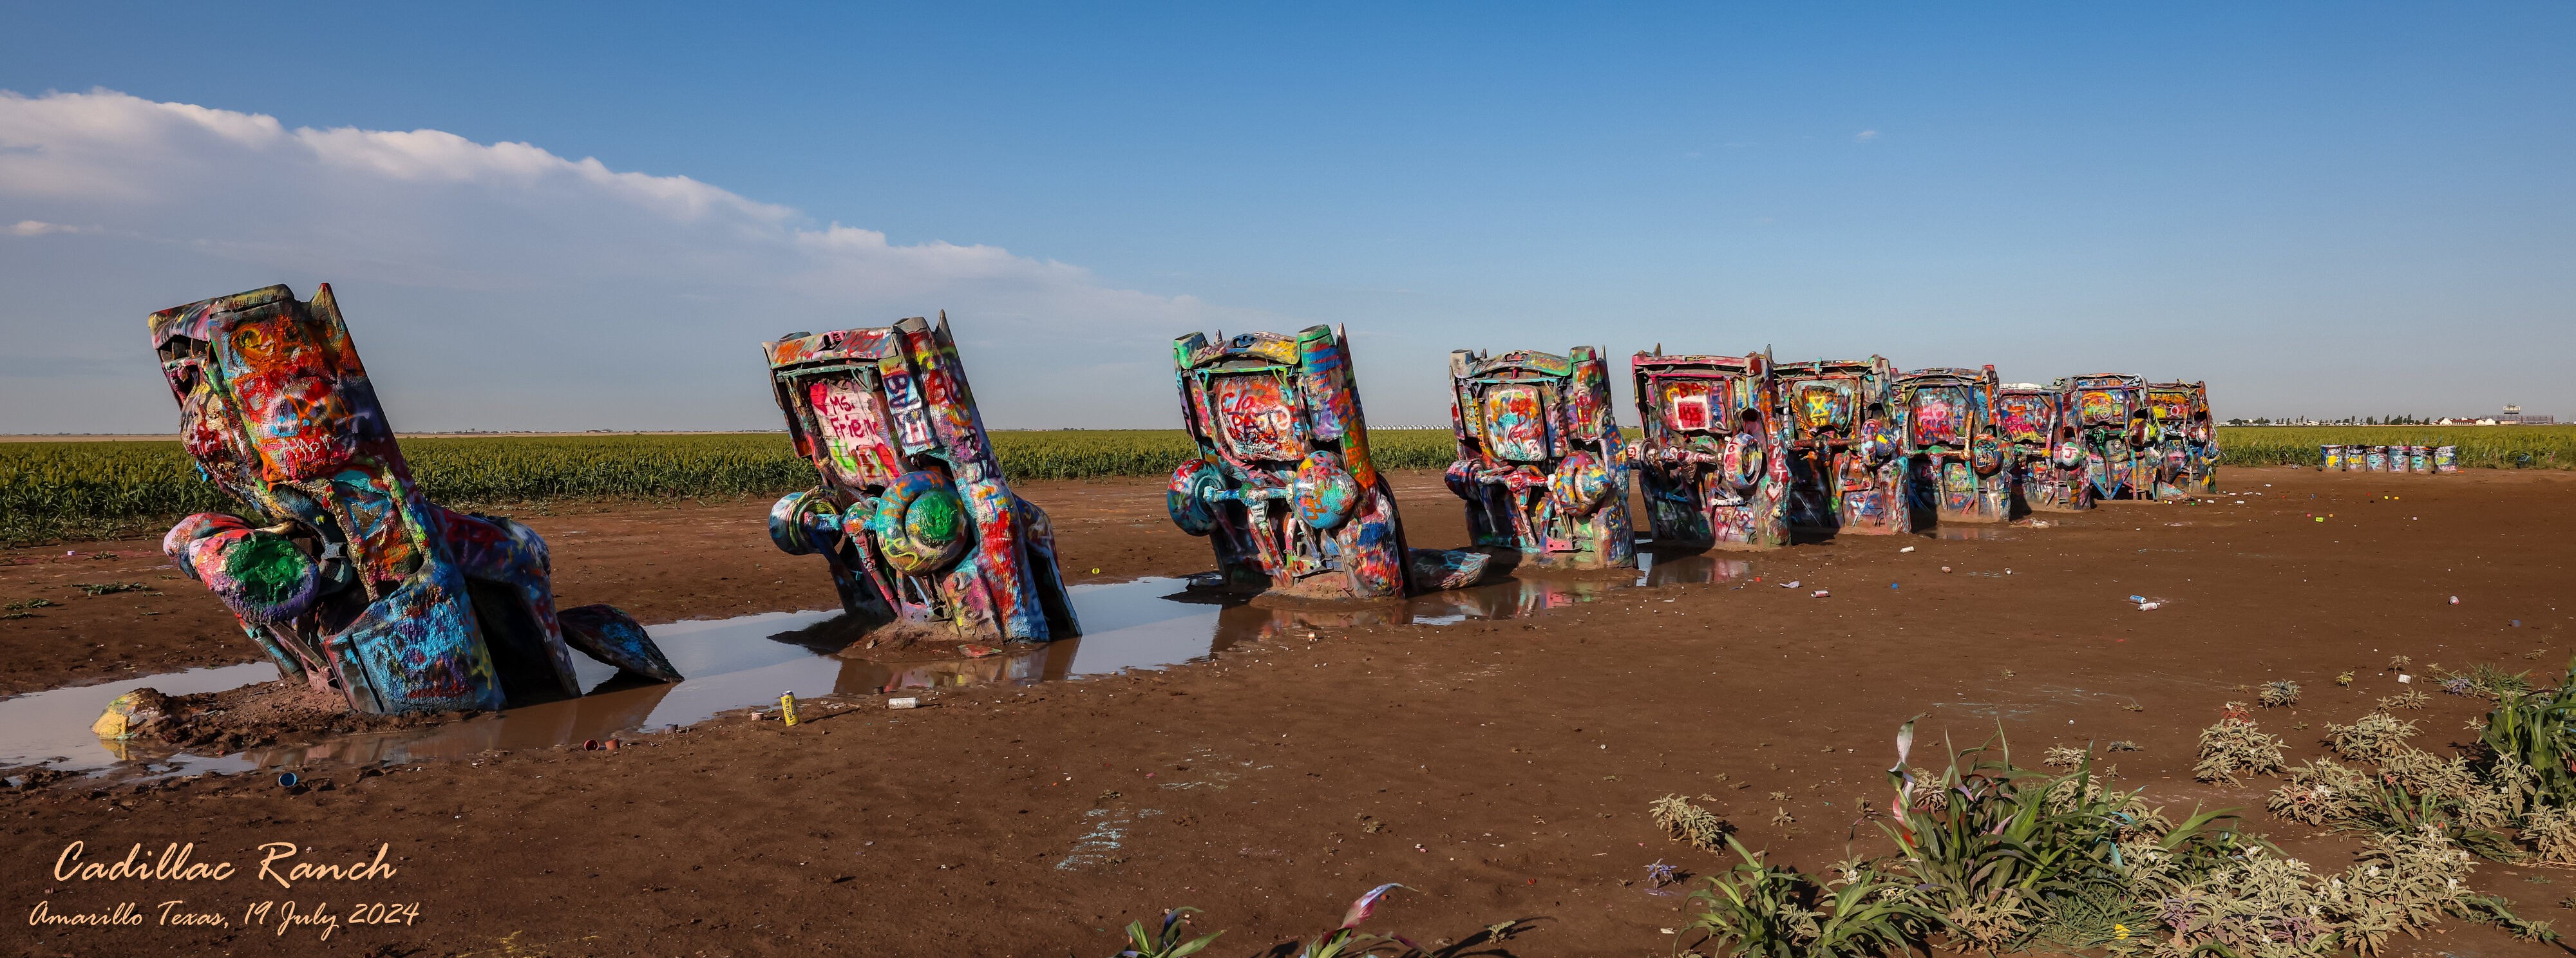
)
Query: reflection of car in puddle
[{"x": 1689, "y": 569}]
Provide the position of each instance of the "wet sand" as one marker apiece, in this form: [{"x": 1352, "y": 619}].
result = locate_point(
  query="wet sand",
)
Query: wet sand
[{"x": 1272, "y": 784}]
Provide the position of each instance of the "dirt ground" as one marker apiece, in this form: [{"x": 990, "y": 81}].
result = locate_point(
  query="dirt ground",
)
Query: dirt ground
[{"x": 1270, "y": 786}]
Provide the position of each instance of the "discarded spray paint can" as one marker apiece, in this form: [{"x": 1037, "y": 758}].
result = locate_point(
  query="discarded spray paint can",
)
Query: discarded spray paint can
[
  {"x": 903, "y": 703},
  {"x": 787, "y": 707},
  {"x": 286, "y": 779}
]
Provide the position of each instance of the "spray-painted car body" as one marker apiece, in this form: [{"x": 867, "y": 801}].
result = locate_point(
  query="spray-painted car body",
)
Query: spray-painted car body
[
  {"x": 1955, "y": 458},
  {"x": 913, "y": 517},
  {"x": 2115, "y": 431},
  {"x": 340, "y": 569},
  {"x": 1846, "y": 461},
  {"x": 1283, "y": 487},
  {"x": 2187, "y": 440},
  {"x": 1540, "y": 461},
  {"x": 1714, "y": 470},
  {"x": 2044, "y": 461}
]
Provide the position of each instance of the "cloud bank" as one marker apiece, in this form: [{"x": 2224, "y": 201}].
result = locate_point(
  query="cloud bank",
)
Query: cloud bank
[{"x": 501, "y": 285}]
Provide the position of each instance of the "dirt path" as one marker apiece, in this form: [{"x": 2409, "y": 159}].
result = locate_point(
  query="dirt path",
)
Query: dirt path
[{"x": 1272, "y": 785}]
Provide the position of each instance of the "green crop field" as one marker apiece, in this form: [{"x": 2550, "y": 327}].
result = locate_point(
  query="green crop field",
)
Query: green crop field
[
  {"x": 56, "y": 490},
  {"x": 2481, "y": 447}
]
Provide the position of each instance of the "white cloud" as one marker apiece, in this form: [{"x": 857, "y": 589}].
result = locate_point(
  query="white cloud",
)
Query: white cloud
[
  {"x": 1865, "y": 136},
  {"x": 40, "y": 228},
  {"x": 501, "y": 285}
]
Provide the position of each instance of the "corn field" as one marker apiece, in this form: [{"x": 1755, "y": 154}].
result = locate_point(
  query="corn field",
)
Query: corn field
[
  {"x": 2481, "y": 447},
  {"x": 51, "y": 491}
]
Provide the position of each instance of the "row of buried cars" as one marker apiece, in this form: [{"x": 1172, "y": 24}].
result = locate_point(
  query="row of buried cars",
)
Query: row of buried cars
[{"x": 350, "y": 579}]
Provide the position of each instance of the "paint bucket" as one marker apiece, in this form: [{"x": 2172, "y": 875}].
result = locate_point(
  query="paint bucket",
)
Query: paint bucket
[
  {"x": 2331, "y": 457},
  {"x": 2419, "y": 458},
  {"x": 2446, "y": 459},
  {"x": 2374, "y": 459}
]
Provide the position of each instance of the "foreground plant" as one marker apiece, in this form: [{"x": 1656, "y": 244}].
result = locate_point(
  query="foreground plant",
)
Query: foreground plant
[
  {"x": 2279, "y": 693},
  {"x": 2538, "y": 729},
  {"x": 2236, "y": 747},
  {"x": 2003, "y": 857},
  {"x": 1683, "y": 821},
  {"x": 1167, "y": 943},
  {"x": 1762, "y": 911},
  {"x": 1347, "y": 939},
  {"x": 2371, "y": 738},
  {"x": 2268, "y": 905}
]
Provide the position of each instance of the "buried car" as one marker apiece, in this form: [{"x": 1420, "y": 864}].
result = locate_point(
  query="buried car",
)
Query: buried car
[
  {"x": 913, "y": 517},
  {"x": 1714, "y": 472},
  {"x": 340, "y": 569},
  {"x": 1957, "y": 460},
  {"x": 2114, "y": 432},
  {"x": 1283, "y": 487},
  {"x": 2043, "y": 462},
  {"x": 1539, "y": 459},
  {"x": 1846, "y": 463},
  {"x": 2186, "y": 445}
]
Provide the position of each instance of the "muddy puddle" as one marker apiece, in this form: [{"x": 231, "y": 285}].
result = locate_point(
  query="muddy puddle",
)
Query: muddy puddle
[
  {"x": 1966, "y": 531},
  {"x": 746, "y": 662}
]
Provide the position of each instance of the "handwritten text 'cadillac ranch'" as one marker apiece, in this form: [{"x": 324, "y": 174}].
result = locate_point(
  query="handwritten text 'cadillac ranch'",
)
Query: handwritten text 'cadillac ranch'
[{"x": 177, "y": 880}]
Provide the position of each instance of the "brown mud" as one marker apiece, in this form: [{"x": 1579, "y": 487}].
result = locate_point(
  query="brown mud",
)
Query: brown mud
[{"x": 1271, "y": 785}]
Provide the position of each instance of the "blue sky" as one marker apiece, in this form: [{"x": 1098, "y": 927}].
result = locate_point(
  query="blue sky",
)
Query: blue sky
[{"x": 2321, "y": 209}]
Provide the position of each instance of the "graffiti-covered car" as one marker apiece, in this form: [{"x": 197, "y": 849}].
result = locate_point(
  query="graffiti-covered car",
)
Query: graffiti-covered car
[
  {"x": 1540, "y": 460},
  {"x": 913, "y": 516},
  {"x": 2042, "y": 458},
  {"x": 1955, "y": 458},
  {"x": 2115, "y": 431},
  {"x": 1283, "y": 487},
  {"x": 339, "y": 569},
  {"x": 2186, "y": 439},
  {"x": 1846, "y": 461},
  {"x": 1713, "y": 469}
]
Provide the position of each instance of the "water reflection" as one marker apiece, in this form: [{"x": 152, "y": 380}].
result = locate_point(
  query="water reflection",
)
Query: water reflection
[
  {"x": 746, "y": 662},
  {"x": 1689, "y": 569},
  {"x": 1967, "y": 532}
]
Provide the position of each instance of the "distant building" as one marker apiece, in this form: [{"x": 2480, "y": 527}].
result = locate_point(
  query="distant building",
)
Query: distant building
[{"x": 2513, "y": 415}]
